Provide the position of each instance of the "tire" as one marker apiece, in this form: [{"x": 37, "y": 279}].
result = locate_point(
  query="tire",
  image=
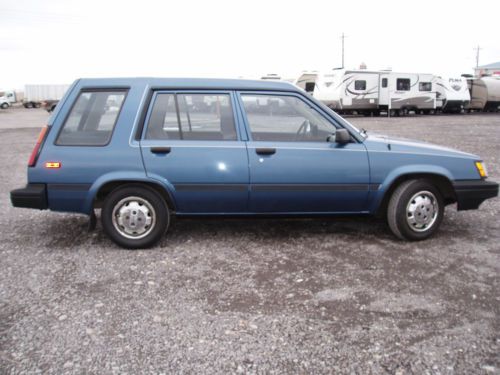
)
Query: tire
[
  {"x": 128, "y": 209},
  {"x": 28, "y": 105},
  {"x": 415, "y": 221},
  {"x": 4, "y": 105},
  {"x": 37, "y": 105}
]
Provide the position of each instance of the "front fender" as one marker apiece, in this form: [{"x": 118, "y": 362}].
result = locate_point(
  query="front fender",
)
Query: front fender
[
  {"x": 132, "y": 176},
  {"x": 411, "y": 169}
]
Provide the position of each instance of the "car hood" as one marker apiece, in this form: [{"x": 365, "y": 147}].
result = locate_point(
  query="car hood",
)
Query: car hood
[{"x": 374, "y": 141}]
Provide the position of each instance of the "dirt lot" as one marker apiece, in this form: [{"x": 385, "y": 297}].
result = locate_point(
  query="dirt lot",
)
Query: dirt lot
[{"x": 252, "y": 296}]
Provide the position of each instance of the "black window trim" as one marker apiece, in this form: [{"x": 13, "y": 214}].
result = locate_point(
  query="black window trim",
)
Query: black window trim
[
  {"x": 155, "y": 91},
  {"x": 83, "y": 90}
]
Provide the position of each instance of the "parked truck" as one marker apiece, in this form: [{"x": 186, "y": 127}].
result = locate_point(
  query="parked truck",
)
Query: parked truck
[
  {"x": 47, "y": 95},
  {"x": 9, "y": 97}
]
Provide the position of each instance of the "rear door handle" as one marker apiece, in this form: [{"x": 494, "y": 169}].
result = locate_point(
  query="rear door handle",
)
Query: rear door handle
[
  {"x": 160, "y": 150},
  {"x": 265, "y": 151}
]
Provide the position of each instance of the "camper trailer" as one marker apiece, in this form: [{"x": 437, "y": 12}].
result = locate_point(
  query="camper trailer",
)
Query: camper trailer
[
  {"x": 452, "y": 94},
  {"x": 307, "y": 81},
  {"x": 485, "y": 94},
  {"x": 369, "y": 92}
]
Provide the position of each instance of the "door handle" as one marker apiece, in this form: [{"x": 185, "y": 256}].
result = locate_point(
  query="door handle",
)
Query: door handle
[
  {"x": 160, "y": 150},
  {"x": 265, "y": 151}
]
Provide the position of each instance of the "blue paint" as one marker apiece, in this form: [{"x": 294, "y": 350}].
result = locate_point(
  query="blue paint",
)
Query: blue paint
[{"x": 349, "y": 171}]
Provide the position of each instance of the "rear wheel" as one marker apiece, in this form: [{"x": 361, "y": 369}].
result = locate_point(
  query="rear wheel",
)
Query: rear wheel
[
  {"x": 415, "y": 210},
  {"x": 135, "y": 217}
]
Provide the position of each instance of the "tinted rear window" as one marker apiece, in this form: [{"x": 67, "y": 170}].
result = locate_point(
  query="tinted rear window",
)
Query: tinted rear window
[{"x": 92, "y": 119}]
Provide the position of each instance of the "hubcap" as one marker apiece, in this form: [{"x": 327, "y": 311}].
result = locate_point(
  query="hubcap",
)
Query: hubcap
[
  {"x": 422, "y": 211},
  {"x": 134, "y": 217}
]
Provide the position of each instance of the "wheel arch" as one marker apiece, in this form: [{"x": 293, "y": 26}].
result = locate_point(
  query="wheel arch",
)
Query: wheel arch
[
  {"x": 441, "y": 181},
  {"x": 106, "y": 184}
]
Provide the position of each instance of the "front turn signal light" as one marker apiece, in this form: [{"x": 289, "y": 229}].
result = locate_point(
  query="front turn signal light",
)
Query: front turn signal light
[{"x": 481, "y": 168}]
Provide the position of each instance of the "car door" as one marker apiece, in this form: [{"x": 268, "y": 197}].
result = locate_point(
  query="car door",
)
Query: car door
[
  {"x": 293, "y": 168},
  {"x": 190, "y": 142}
]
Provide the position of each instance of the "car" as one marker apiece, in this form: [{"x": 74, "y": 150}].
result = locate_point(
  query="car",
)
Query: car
[{"x": 144, "y": 149}]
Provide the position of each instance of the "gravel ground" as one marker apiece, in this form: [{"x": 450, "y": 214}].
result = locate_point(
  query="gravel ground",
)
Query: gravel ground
[{"x": 252, "y": 296}]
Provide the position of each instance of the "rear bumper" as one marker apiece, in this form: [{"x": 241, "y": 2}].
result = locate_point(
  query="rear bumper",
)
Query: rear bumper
[
  {"x": 471, "y": 193},
  {"x": 32, "y": 196}
]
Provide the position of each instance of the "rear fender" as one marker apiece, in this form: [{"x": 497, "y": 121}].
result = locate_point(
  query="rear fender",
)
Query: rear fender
[{"x": 129, "y": 177}]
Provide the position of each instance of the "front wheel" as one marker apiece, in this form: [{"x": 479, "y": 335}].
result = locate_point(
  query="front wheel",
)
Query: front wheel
[
  {"x": 4, "y": 105},
  {"x": 415, "y": 210},
  {"x": 135, "y": 217}
]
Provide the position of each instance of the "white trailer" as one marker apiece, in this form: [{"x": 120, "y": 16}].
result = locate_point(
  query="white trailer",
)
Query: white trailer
[
  {"x": 307, "y": 81},
  {"x": 34, "y": 95},
  {"x": 369, "y": 92},
  {"x": 485, "y": 94},
  {"x": 452, "y": 94}
]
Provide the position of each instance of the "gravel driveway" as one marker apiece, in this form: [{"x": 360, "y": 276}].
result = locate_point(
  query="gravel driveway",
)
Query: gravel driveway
[{"x": 252, "y": 296}]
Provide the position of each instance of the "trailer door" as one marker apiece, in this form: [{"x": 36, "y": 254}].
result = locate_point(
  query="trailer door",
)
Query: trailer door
[{"x": 383, "y": 93}]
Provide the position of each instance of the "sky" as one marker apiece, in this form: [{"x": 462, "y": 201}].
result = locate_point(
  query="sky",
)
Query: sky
[{"x": 58, "y": 41}]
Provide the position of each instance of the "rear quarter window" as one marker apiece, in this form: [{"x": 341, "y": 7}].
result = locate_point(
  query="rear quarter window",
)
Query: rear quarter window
[{"x": 92, "y": 118}]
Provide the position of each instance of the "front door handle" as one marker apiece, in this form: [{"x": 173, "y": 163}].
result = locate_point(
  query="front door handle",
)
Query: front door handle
[
  {"x": 265, "y": 151},
  {"x": 160, "y": 150}
]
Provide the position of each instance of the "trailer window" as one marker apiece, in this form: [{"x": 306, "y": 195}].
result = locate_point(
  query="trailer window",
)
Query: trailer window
[
  {"x": 360, "y": 85},
  {"x": 92, "y": 119},
  {"x": 310, "y": 86},
  {"x": 403, "y": 84},
  {"x": 425, "y": 86},
  {"x": 384, "y": 83}
]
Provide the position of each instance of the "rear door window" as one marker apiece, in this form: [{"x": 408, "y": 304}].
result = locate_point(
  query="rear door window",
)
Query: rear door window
[
  {"x": 92, "y": 119},
  {"x": 201, "y": 117}
]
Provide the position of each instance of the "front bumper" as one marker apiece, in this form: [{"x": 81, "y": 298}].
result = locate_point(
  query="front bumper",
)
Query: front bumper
[
  {"x": 32, "y": 196},
  {"x": 471, "y": 193}
]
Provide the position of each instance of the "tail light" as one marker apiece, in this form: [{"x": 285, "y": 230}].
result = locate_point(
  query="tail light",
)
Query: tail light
[{"x": 38, "y": 146}]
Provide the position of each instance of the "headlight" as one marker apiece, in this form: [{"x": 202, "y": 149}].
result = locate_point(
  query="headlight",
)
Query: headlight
[{"x": 481, "y": 168}]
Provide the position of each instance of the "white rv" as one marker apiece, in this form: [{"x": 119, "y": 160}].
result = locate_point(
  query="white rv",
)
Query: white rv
[
  {"x": 452, "y": 94},
  {"x": 369, "y": 92},
  {"x": 485, "y": 93},
  {"x": 307, "y": 81}
]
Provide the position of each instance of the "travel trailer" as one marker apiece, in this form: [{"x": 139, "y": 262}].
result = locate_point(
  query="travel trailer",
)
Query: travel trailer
[
  {"x": 369, "y": 92},
  {"x": 307, "y": 81},
  {"x": 485, "y": 94},
  {"x": 452, "y": 94}
]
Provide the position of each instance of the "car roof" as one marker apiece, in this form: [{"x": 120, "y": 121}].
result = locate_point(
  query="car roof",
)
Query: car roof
[{"x": 189, "y": 83}]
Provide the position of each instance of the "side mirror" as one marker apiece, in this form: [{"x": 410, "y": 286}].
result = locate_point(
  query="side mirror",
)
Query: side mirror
[{"x": 341, "y": 136}]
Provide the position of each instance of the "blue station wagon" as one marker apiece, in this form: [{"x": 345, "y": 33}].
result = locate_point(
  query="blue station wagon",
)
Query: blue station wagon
[{"x": 143, "y": 149}]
